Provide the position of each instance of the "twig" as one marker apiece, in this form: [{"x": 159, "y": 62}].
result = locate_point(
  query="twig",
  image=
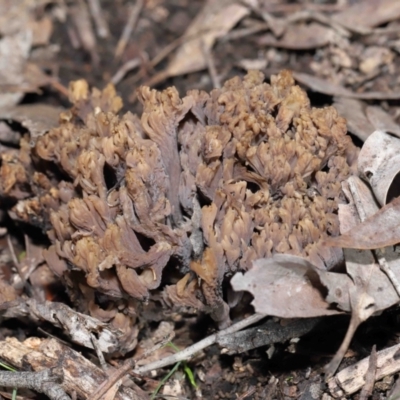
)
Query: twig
[
  {"x": 241, "y": 33},
  {"x": 370, "y": 375},
  {"x": 112, "y": 379},
  {"x": 99, "y": 353},
  {"x": 81, "y": 19},
  {"x": 129, "y": 27},
  {"x": 45, "y": 381},
  {"x": 294, "y": 7},
  {"x": 125, "y": 68},
  {"x": 59, "y": 87},
  {"x": 361, "y": 311},
  {"x": 351, "y": 379},
  {"x": 13, "y": 255},
  {"x": 211, "y": 67},
  {"x": 122, "y": 371},
  {"x": 190, "y": 351},
  {"x": 99, "y": 21}
]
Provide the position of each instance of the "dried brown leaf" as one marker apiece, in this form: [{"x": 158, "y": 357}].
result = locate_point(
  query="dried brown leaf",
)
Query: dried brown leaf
[
  {"x": 379, "y": 164},
  {"x": 289, "y": 286},
  {"x": 348, "y": 213},
  {"x": 300, "y": 37},
  {"x": 285, "y": 286},
  {"x": 37, "y": 118},
  {"x": 380, "y": 230},
  {"x": 14, "y": 52},
  {"x": 354, "y": 112},
  {"x": 362, "y": 120},
  {"x": 332, "y": 89},
  {"x": 381, "y": 120},
  {"x": 368, "y": 14},
  {"x": 215, "y": 20}
]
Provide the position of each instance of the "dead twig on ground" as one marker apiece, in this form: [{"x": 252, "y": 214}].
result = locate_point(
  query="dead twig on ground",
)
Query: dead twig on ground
[
  {"x": 99, "y": 20},
  {"x": 81, "y": 20},
  {"x": 125, "y": 68},
  {"x": 353, "y": 378},
  {"x": 113, "y": 379},
  {"x": 45, "y": 381},
  {"x": 370, "y": 375},
  {"x": 129, "y": 28},
  {"x": 190, "y": 351},
  {"x": 211, "y": 67}
]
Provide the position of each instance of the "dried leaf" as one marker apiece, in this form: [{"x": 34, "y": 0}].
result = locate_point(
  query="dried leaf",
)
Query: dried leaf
[
  {"x": 362, "y": 120},
  {"x": 368, "y": 14},
  {"x": 348, "y": 213},
  {"x": 332, "y": 89},
  {"x": 215, "y": 20},
  {"x": 285, "y": 286},
  {"x": 37, "y": 118},
  {"x": 381, "y": 120},
  {"x": 14, "y": 52},
  {"x": 354, "y": 112},
  {"x": 291, "y": 287},
  {"x": 379, "y": 164},
  {"x": 380, "y": 230},
  {"x": 300, "y": 37}
]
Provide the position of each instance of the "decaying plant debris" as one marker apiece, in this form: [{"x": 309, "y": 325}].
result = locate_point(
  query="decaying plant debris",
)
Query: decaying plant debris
[{"x": 211, "y": 181}]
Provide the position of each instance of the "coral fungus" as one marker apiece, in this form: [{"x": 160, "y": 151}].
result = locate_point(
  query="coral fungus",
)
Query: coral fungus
[{"x": 210, "y": 181}]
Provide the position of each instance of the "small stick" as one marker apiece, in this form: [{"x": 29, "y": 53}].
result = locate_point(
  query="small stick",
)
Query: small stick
[
  {"x": 211, "y": 67},
  {"x": 81, "y": 19},
  {"x": 99, "y": 20},
  {"x": 125, "y": 68},
  {"x": 190, "y": 351},
  {"x": 43, "y": 382},
  {"x": 13, "y": 255},
  {"x": 358, "y": 315},
  {"x": 99, "y": 353},
  {"x": 241, "y": 33},
  {"x": 370, "y": 375},
  {"x": 129, "y": 27},
  {"x": 60, "y": 87}
]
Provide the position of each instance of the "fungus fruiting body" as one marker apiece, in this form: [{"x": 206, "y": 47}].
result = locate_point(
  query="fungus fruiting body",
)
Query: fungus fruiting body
[{"x": 206, "y": 184}]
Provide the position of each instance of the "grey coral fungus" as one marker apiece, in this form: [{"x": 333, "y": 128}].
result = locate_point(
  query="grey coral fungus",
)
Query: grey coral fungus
[{"x": 214, "y": 181}]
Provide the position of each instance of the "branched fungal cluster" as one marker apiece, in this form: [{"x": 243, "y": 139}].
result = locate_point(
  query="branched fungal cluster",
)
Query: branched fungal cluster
[{"x": 203, "y": 184}]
